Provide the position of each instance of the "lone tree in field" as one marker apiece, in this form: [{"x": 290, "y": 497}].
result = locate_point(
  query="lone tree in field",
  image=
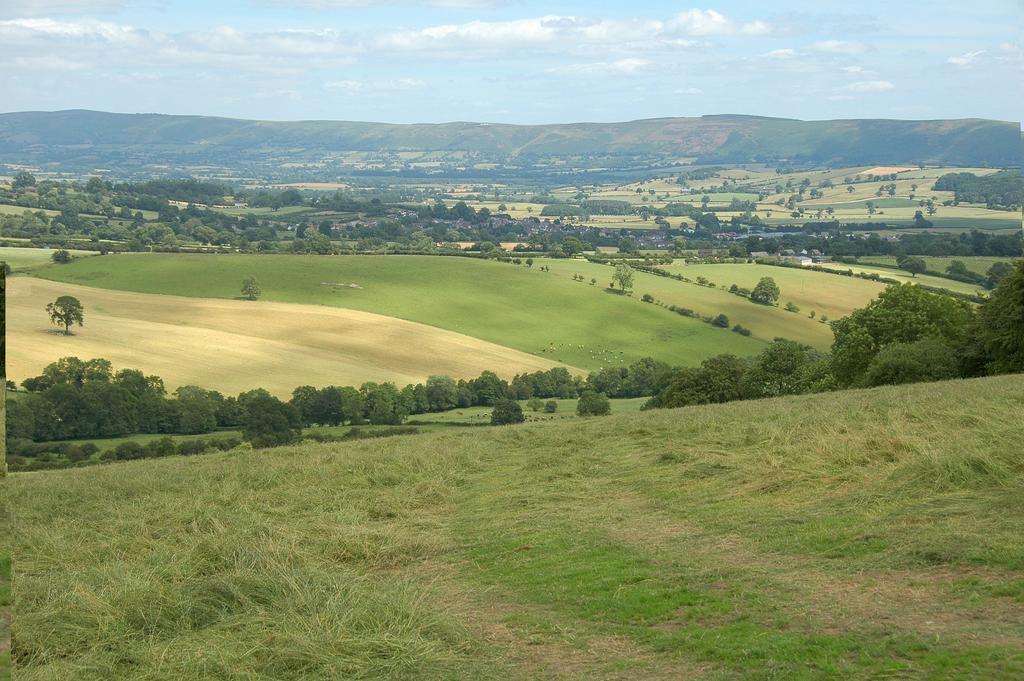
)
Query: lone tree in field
[
  {"x": 623, "y": 277},
  {"x": 251, "y": 288},
  {"x": 766, "y": 292},
  {"x": 914, "y": 265},
  {"x": 66, "y": 311},
  {"x": 61, "y": 256}
]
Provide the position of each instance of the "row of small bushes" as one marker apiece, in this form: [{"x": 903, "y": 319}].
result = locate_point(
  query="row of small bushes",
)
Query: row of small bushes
[{"x": 25, "y": 455}]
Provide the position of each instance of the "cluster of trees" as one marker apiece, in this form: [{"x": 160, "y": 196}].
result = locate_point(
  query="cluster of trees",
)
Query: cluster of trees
[
  {"x": 906, "y": 335},
  {"x": 832, "y": 242},
  {"x": 386, "y": 404},
  {"x": 76, "y": 399},
  {"x": 1003, "y": 190}
]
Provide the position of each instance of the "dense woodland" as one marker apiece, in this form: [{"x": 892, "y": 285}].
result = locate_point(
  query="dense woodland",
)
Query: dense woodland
[{"x": 1002, "y": 191}]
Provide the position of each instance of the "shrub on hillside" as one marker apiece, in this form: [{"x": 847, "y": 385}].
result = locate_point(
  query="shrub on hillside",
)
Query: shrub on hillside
[
  {"x": 766, "y": 292},
  {"x": 550, "y": 407},
  {"x": 593, "y": 404},
  {"x": 928, "y": 359},
  {"x": 718, "y": 379},
  {"x": 127, "y": 451},
  {"x": 901, "y": 314},
  {"x": 506, "y": 412},
  {"x": 1000, "y": 325}
]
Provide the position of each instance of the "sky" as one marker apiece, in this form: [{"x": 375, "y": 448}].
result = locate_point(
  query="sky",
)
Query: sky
[{"x": 514, "y": 61}]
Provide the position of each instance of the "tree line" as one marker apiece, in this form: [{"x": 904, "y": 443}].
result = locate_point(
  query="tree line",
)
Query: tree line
[{"x": 80, "y": 399}]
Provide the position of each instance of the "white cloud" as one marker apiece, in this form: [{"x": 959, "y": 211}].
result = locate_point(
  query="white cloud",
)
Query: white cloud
[
  {"x": 375, "y": 86},
  {"x": 619, "y": 67},
  {"x": 571, "y": 33},
  {"x": 52, "y": 8},
  {"x": 710, "y": 22},
  {"x": 966, "y": 59},
  {"x": 688, "y": 91},
  {"x": 870, "y": 86},
  {"x": 346, "y": 4},
  {"x": 838, "y": 47},
  {"x": 784, "y": 53},
  {"x": 218, "y": 47},
  {"x": 854, "y": 69},
  {"x": 48, "y": 63}
]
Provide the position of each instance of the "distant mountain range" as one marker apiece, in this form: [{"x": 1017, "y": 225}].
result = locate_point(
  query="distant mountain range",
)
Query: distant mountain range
[{"x": 79, "y": 140}]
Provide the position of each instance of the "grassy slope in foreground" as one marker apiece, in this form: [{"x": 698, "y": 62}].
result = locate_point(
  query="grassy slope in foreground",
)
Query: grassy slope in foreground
[
  {"x": 525, "y": 309},
  {"x": 874, "y": 533}
]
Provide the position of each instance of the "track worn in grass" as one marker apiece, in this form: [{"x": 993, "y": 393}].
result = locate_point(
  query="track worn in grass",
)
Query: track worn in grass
[{"x": 873, "y": 534}]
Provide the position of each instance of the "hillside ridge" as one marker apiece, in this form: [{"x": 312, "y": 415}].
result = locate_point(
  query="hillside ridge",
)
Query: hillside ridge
[{"x": 80, "y": 137}]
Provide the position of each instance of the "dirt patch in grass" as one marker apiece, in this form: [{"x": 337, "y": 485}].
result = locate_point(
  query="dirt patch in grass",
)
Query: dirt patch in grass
[{"x": 544, "y": 643}]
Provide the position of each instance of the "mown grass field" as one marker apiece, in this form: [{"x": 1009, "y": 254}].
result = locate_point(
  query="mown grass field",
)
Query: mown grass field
[
  {"x": 24, "y": 259},
  {"x": 904, "y": 277},
  {"x": 536, "y": 312},
  {"x": 235, "y": 345},
  {"x": 975, "y": 263},
  {"x": 8, "y": 209},
  {"x": 873, "y": 534},
  {"x": 825, "y": 294}
]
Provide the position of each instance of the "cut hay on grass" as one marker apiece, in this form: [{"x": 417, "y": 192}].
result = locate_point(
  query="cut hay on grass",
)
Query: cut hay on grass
[{"x": 861, "y": 535}]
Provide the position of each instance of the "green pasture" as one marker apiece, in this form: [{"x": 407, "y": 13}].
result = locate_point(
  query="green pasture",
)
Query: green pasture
[
  {"x": 543, "y": 313},
  {"x": 975, "y": 263},
  {"x": 23, "y": 259},
  {"x": 904, "y": 277}
]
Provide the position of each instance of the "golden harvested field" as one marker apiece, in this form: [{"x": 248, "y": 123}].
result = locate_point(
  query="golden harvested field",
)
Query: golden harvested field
[{"x": 234, "y": 345}]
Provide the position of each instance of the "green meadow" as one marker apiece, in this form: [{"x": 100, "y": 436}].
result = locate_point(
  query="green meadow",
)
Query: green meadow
[
  {"x": 23, "y": 259},
  {"x": 904, "y": 277},
  {"x": 542, "y": 313},
  {"x": 824, "y": 293},
  {"x": 873, "y": 534},
  {"x": 975, "y": 263}
]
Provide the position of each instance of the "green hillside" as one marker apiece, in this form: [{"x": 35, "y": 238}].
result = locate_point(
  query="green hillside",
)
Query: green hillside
[
  {"x": 78, "y": 138},
  {"x": 541, "y": 313},
  {"x": 873, "y": 534}
]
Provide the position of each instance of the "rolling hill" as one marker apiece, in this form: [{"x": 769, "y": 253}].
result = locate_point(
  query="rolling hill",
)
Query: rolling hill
[
  {"x": 92, "y": 139},
  {"x": 541, "y": 313},
  {"x": 873, "y": 534},
  {"x": 236, "y": 345}
]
